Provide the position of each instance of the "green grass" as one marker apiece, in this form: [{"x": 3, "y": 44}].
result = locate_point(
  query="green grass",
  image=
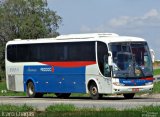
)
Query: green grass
[
  {"x": 156, "y": 88},
  {"x": 79, "y": 95},
  {"x": 2, "y": 75},
  {"x": 14, "y": 108},
  {"x": 5, "y": 92},
  {"x": 61, "y": 107},
  {"x": 68, "y": 110},
  {"x": 146, "y": 109},
  {"x": 70, "y": 107},
  {"x": 72, "y": 111},
  {"x": 156, "y": 72}
]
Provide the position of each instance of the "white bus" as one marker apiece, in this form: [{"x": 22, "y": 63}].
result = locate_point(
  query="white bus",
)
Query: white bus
[{"x": 98, "y": 64}]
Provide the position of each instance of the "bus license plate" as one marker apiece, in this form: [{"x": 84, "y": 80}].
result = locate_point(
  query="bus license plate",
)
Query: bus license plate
[{"x": 135, "y": 89}]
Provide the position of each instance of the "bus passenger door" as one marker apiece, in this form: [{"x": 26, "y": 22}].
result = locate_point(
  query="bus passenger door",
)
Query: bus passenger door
[
  {"x": 104, "y": 68},
  {"x": 102, "y": 56}
]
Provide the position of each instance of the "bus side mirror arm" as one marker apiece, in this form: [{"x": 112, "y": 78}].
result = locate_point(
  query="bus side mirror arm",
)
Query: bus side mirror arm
[
  {"x": 107, "y": 67},
  {"x": 109, "y": 54}
]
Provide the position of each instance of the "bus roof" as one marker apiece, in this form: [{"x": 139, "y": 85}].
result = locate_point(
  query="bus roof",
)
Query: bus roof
[
  {"x": 86, "y": 36},
  {"x": 105, "y": 37}
]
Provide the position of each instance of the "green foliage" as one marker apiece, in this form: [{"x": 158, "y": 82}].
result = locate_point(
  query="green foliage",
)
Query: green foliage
[
  {"x": 5, "y": 92},
  {"x": 10, "y": 108},
  {"x": 156, "y": 88},
  {"x": 2, "y": 63},
  {"x": 156, "y": 72},
  {"x": 27, "y": 19},
  {"x": 2, "y": 75}
]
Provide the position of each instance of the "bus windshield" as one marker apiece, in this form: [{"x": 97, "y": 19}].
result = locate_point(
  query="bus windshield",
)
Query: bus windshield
[{"x": 131, "y": 59}]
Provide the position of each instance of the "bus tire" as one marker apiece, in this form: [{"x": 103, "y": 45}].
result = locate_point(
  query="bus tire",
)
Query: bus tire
[
  {"x": 31, "y": 91},
  {"x": 63, "y": 95},
  {"x": 94, "y": 91},
  {"x": 129, "y": 95}
]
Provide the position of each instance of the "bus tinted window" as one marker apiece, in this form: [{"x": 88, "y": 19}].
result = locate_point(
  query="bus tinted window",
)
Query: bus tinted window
[
  {"x": 102, "y": 51},
  {"x": 12, "y": 53},
  {"x": 81, "y": 51},
  {"x": 73, "y": 51}
]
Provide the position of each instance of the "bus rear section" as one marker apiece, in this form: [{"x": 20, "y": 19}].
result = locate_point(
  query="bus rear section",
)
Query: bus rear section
[{"x": 52, "y": 67}]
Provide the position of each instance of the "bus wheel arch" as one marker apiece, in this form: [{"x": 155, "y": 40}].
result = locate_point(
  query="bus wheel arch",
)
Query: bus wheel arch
[
  {"x": 94, "y": 90},
  {"x": 31, "y": 90}
]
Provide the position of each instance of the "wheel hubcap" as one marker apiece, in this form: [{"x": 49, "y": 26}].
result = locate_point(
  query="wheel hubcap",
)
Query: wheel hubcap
[
  {"x": 94, "y": 90},
  {"x": 31, "y": 89}
]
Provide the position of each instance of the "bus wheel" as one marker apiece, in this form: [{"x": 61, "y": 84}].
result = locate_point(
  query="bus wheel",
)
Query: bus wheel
[
  {"x": 129, "y": 95},
  {"x": 31, "y": 91},
  {"x": 63, "y": 95},
  {"x": 94, "y": 91}
]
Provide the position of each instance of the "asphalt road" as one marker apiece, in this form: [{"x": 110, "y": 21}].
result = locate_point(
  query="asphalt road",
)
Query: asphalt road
[{"x": 114, "y": 102}]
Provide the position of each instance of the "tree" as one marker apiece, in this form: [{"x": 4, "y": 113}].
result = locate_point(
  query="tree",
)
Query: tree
[{"x": 26, "y": 19}]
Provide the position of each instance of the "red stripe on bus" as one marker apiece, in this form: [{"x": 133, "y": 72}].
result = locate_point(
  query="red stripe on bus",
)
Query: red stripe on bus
[
  {"x": 149, "y": 78},
  {"x": 70, "y": 63}
]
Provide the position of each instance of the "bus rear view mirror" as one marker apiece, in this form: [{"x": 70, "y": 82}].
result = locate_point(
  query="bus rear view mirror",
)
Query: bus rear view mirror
[{"x": 109, "y": 54}]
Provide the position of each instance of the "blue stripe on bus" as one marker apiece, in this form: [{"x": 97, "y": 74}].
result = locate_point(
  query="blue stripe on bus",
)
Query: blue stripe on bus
[
  {"x": 134, "y": 82},
  {"x": 56, "y": 79}
]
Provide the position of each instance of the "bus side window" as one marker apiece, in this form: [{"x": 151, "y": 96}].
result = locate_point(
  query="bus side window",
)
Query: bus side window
[
  {"x": 102, "y": 56},
  {"x": 12, "y": 53}
]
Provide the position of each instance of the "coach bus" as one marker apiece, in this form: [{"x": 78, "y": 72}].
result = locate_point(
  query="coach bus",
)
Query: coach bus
[{"x": 98, "y": 64}]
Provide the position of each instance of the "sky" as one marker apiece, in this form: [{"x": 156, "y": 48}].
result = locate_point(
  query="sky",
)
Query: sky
[{"x": 139, "y": 18}]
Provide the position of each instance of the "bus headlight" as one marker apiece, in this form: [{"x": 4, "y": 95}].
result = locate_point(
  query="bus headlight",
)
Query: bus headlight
[{"x": 118, "y": 84}]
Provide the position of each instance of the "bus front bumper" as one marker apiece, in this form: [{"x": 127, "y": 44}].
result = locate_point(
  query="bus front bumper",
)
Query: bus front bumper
[{"x": 131, "y": 89}]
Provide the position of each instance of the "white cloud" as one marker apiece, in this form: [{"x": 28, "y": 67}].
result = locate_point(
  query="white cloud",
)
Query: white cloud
[
  {"x": 151, "y": 18},
  {"x": 120, "y": 21},
  {"x": 128, "y": 24},
  {"x": 152, "y": 13}
]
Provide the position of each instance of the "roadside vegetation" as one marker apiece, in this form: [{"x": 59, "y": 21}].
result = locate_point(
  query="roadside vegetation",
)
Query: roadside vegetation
[
  {"x": 5, "y": 92},
  {"x": 72, "y": 111},
  {"x": 68, "y": 110},
  {"x": 156, "y": 88},
  {"x": 10, "y": 108},
  {"x": 156, "y": 66},
  {"x": 156, "y": 72}
]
